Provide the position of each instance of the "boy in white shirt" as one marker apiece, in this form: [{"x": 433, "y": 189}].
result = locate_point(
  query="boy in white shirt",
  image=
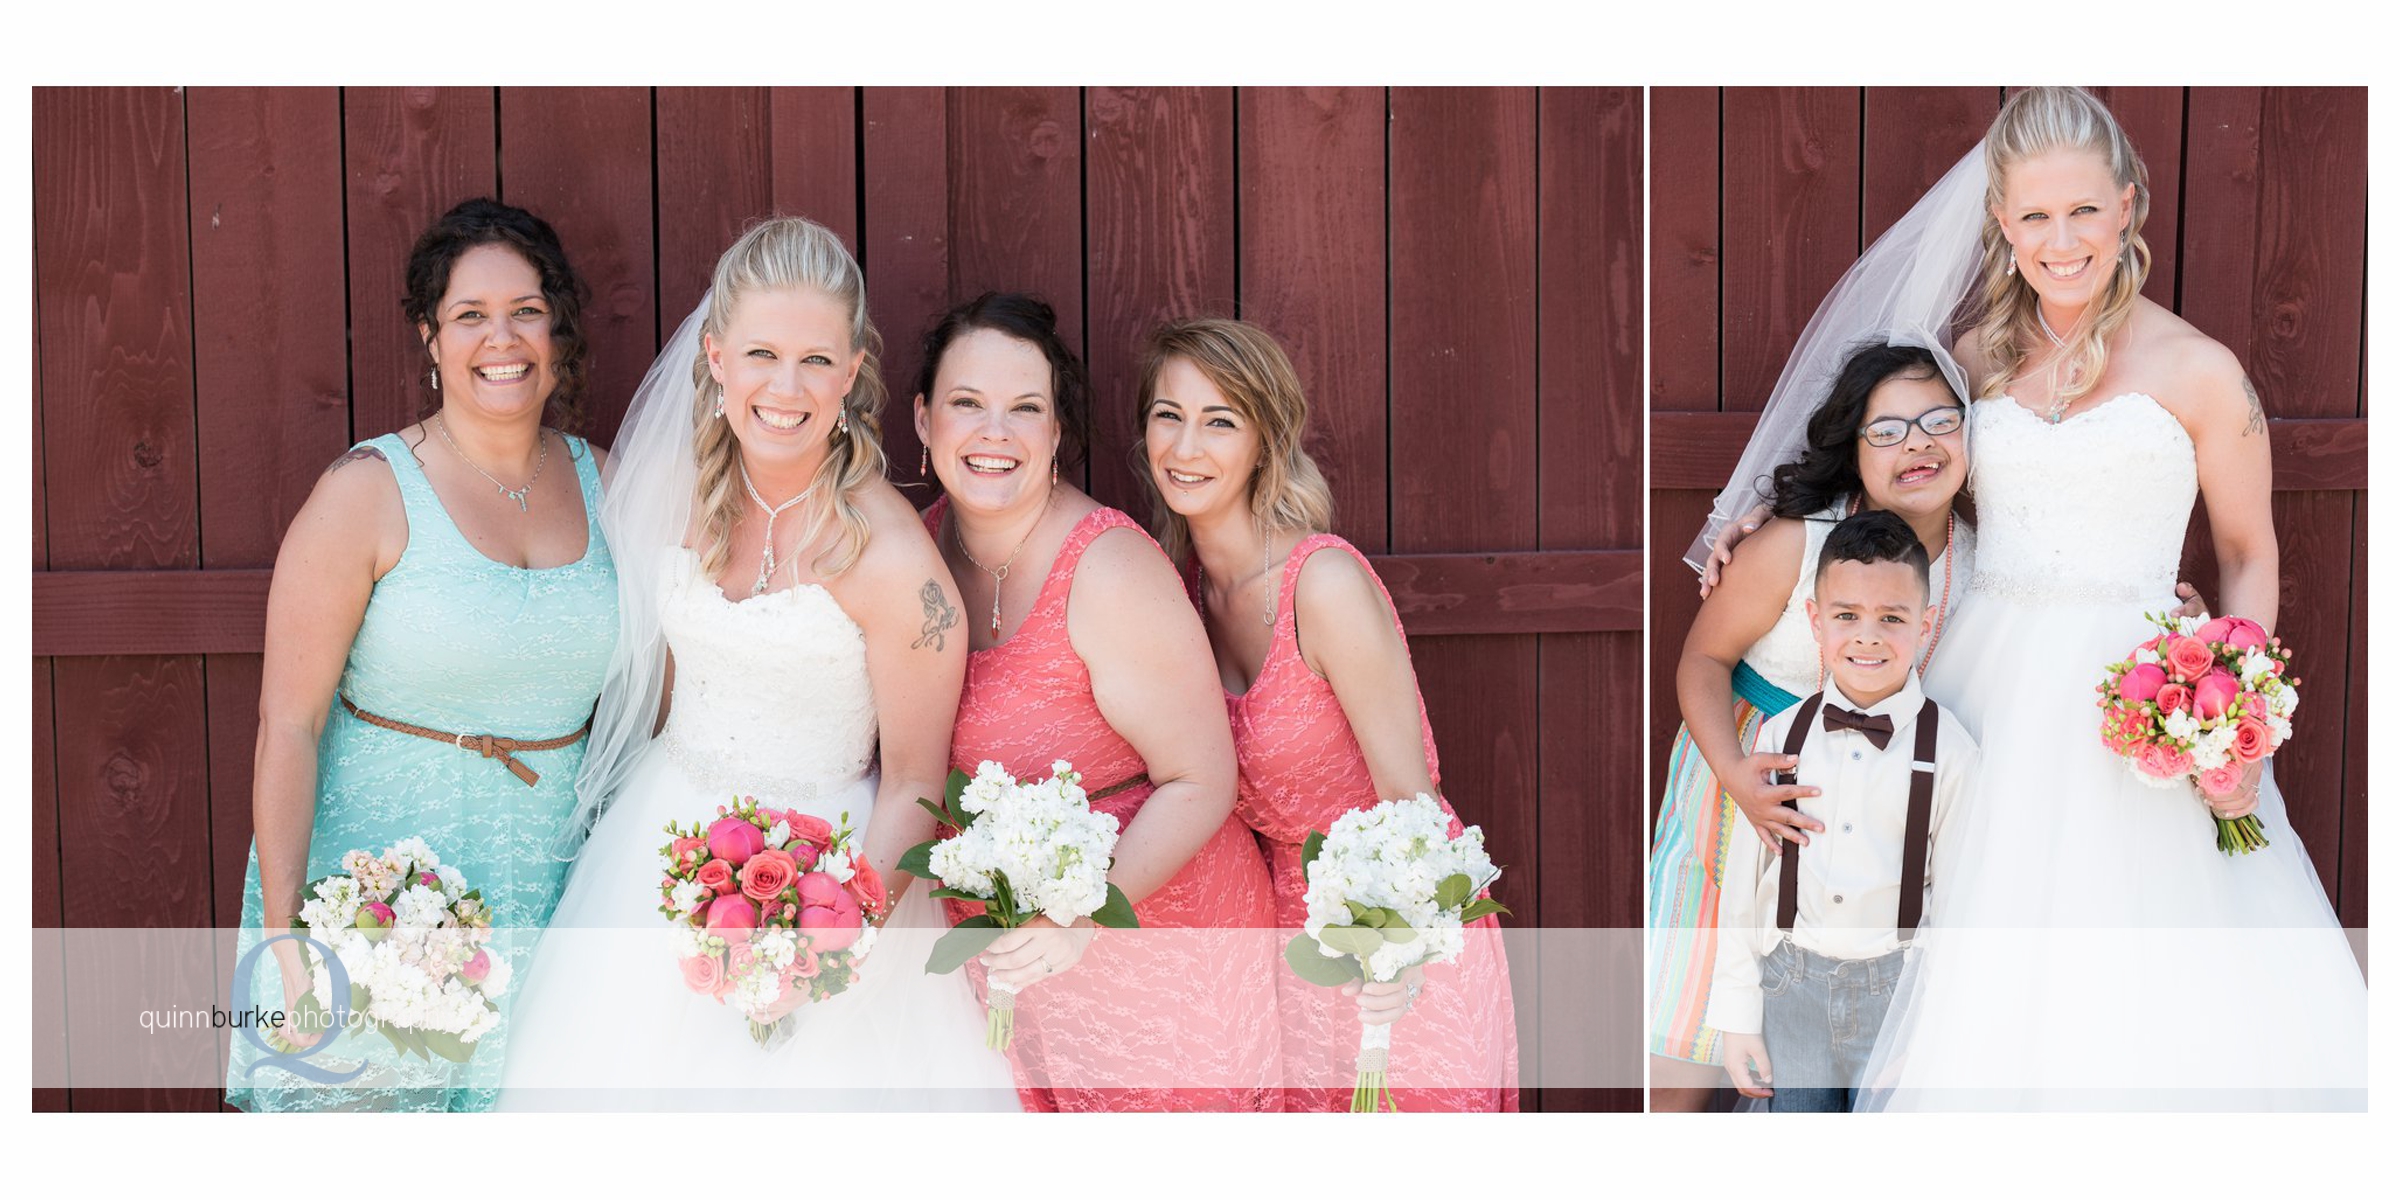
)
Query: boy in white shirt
[{"x": 1804, "y": 973}]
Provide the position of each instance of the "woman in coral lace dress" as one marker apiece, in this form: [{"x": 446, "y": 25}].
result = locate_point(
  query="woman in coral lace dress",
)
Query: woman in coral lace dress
[
  {"x": 1083, "y": 649},
  {"x": 1324, "y": 704}
]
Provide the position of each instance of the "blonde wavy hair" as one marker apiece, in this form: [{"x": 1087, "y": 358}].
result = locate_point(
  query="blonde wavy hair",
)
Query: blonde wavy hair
[
  {"x": 782, "y": 254},
  {"x": 1245, "y": 363},
  {"x": 2007, "y": 323}
]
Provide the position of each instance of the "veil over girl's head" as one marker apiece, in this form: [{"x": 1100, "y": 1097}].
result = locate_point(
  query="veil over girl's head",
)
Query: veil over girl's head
[{"x": 2033, "y": 123}]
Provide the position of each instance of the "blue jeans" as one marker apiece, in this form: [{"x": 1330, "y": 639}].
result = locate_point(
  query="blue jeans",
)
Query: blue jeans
[{"x": 1820, "y": 1020}]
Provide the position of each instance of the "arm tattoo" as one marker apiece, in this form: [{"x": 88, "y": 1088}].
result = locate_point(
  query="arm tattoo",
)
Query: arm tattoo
[
  {"x": 354, "y": 455},
  {"x": 2258, "y": 412},
  {"x": 939, "y": 616}
]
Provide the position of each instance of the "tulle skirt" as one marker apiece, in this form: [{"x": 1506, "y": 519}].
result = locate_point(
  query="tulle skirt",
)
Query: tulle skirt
[
  {"x": 2086, "y": 945},
  {"x": 605, "y": 1022}
]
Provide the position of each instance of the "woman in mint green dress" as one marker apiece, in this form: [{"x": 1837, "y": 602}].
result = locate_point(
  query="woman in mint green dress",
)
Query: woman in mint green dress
[{"x": 451, "y": 579}]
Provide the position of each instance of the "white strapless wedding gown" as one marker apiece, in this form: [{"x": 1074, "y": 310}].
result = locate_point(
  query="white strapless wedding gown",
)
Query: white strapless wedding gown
[
  {"x": 2087, "y": 945},
  {"x": 771, "y": 700}
]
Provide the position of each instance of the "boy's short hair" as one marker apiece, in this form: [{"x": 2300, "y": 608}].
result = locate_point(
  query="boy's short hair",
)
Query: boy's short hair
[{"x": 1871, "y": 537}]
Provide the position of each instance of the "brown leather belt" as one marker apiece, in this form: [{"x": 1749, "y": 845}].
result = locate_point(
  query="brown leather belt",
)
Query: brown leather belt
[{"x": 504, "y": 749}]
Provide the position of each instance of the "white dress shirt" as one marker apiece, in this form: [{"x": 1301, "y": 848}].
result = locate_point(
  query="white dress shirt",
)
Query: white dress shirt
[{"x": 1850, "y": 873}]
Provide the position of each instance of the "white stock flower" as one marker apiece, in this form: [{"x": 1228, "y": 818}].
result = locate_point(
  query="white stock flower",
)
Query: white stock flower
[
  {"x": 686, "y": 895},
  {"x": 2145, "y": 656},
  {"x": 2181, "y": 725}
]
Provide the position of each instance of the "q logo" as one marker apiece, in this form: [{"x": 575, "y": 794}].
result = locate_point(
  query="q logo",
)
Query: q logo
[{"x": 340, "y": 1017}]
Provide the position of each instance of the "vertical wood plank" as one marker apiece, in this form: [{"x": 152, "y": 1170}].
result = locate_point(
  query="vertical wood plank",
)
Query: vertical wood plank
[
  {"x": 41, "y": 476},
  {"x": 49, "y": 1008},
  {"x": 1016, "y": 197},
  {"x": 410, "y": 154},
  {"x": 272, "y": 359},
  {"x": 231, "y": 683},
  {"x": 581, "y": 159},
  {"x": 1790, "y": 223},
  {"x": 813, "y": 152},
  {"x": 2153, "y": 118},
  {"x": 905, "y": 242},
  {"x": 1913, "y": 136},
  {"x": 2350, "y": 894},
  {"x": 715, "y": 166},
  {"x": 1686, "y": 262},
  {"x": 1158, "y": 203},
  {"x": 1311, "y": 164}
]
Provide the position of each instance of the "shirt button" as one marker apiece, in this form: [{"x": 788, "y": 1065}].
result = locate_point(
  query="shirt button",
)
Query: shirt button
[
  {"x": 1837, "y": 899},
  {"x": 1845, "y": 827},
  {"x": 1854, "y": 756}
]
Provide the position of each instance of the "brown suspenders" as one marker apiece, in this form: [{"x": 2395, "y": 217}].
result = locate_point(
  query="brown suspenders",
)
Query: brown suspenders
[{"x": 1915, "y": 836}]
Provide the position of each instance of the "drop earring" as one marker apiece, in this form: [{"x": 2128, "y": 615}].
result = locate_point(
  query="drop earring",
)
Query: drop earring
[
  {"x": 433, "y": 377},
  {"x": 2012, "y": 263},
  {"x": 924, "y": 461},
  {"x": 1054, "y": 471}
]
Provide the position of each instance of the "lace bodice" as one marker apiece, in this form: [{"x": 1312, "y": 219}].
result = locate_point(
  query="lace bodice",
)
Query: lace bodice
[
  {"x": 2090, "y": 509},
  {"x": 771, "y": 696}
]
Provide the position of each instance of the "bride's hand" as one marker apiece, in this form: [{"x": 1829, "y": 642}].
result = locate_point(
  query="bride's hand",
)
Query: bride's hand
[
  {"x": 2194, "y": 604},
  {"x": 1720, "y": 552},
  {"x": 1384, "y": 1003},
  {"x": 2241, "y": 801},
  {"x": 1036, "y": 950},
  {"x": 1762, "y": 804}
]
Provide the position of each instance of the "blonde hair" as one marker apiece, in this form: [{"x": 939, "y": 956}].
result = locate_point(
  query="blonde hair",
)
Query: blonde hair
[
  {"x": 1288, "y": 492},
  {"x": 2035, "y": 122},
  {"x": 782, "y": 254}
]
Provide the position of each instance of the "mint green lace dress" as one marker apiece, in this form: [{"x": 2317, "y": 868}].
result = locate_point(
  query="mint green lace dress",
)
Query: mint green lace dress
[{"x": 452, "y": 641}]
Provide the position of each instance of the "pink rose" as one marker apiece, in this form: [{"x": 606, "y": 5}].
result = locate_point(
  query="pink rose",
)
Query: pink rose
[
  {"x": 2221, "y": 781},
  {"x": 2141, "y": 683},
  {"x": 2174, "y": 697},
  {"x": 686, "y": 850},
  {"x": 732, "y": 912},
  {"x": 735, "y": 839},
  {"x": 819, "y": 889},
  {"x": 868, "y": 887},
  {"x": 2189, "y": 658},
  {"x": 716, "y": 875},
  {"x": 813, "y": 830},
  {"x": 2213, "y": 693},
  {"x": 831, "y": 929},
  {"x": 474, "y": 969},
  {"x": 704, "y": 974},
  {"x": 767, "y": 873},
  {"x": 2252, "y": 740},
  {"x": 804, "y": 964},
  {"x": 2159, "y": 760}
]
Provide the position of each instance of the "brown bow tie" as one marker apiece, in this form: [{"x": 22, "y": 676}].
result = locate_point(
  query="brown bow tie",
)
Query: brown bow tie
[{"x": 1877, "y": 728}]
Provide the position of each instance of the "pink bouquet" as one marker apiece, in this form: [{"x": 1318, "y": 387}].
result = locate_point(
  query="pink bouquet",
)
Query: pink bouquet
[
  {"x": 2201, "y": 702},
  {"x": 768, "y": 904}
]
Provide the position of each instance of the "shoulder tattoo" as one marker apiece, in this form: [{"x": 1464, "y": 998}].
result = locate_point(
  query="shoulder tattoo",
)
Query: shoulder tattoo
[
  {"x": 355, "y": 454},
  {"x": 940, "y": 616},
  {"x": 2258, "y": 412}
]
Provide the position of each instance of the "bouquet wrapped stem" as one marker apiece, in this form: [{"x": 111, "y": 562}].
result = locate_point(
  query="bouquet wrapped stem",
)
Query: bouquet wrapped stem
[{"x": 1373, "y": 1092}]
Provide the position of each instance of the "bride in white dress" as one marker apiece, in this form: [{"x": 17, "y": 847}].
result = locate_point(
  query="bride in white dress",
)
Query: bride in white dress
[
  {"x": 787, "y": 605},
  {"x": 2085, "y": 944}
]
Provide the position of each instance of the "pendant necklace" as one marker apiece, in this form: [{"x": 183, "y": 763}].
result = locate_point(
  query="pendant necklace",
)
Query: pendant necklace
[
  {"x": 766, "y": 562},
  {"x": 442, "y": 427},
  {"x": 957, "y": 534},
  {"x": 2058, "y": 407},
  {"x": 1266, "y": 547}
]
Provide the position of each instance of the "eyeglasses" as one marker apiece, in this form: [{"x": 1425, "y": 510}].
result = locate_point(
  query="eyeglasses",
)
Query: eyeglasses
[{"x": 1891, "y": 431}]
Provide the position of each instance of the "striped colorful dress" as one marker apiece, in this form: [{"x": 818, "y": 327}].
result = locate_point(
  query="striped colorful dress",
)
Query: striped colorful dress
[{"x": 1697, "y": 818}]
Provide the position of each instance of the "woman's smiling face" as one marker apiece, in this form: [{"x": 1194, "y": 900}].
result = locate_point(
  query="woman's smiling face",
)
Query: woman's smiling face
[{"x": 2064, "y": 216}]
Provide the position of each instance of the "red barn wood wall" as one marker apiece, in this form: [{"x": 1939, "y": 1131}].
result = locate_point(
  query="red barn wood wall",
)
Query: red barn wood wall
[
  {"x": 1763, "y": 196},
  {"x": 217, "y": 283}
]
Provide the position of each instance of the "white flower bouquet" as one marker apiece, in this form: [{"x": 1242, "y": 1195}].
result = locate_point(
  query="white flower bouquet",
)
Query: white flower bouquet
[
  {"x": 411, "y": 940},
  {"x": 1388, "y": 888},
  {"x": 1021, "y": 850}
]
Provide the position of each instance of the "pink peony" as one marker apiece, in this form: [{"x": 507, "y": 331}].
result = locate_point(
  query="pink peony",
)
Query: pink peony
[
  {"x": 704, "y": 974},
  {"x": 2174, "y": 697},
  {"x": 2213, "y": 693},
  {"x": 732, "y": 912},
  {"x": 767, "y": 873},
  {"x": 834, "y": 928},
  {"x": 804, "y": 854},
  {"x": 2141, "y": 683},
  {"x": 374, "y": 914},
  {"x": 474, "y": 969},
  {"x": 2188, "y": 658},
  {"x": 818, "y": 889},
  {"x": 2221, "y": 781},
  {"x": 2241, "y": 633},
  {"x": 716, "y": 875},
  {"x": 2252, "y": 740},
  {"x": 735, "y": 839}
]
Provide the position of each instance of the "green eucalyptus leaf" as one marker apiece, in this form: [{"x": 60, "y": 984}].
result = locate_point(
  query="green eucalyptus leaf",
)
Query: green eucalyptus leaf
[
  {"x": 1454, "y": 891},
  {"x": 1311, "y": 963},
  {"x": 1361, "y": 914},
  {"x": 955, "y": 787},
  {"x": 1309, "y": 847},
  {"x": 940, "y": 816},
  {"x": 1480, "y": 909},
  {"x": 1116, "y": 912},
  {"x": 1356, "y": 940},
  {"x": 964, "y": 941},
  {"x": 919, "y": 860},
  {"x": 448, "y": 1045}
]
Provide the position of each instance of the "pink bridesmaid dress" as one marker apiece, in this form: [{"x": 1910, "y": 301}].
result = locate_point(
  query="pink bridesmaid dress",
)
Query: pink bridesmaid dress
[
  {"x": 1456, "y": 1050},
  {"x": 1178, "y": 1015}
]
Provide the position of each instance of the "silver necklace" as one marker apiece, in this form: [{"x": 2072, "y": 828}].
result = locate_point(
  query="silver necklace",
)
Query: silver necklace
[
  {"x": 958, "y": 534},
  {"x": 1266, "y": 546},
  {"x": 442, "y": 427},
  {"x": 2058, "y": 404},
  {"x": 766, "y": 562}
]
